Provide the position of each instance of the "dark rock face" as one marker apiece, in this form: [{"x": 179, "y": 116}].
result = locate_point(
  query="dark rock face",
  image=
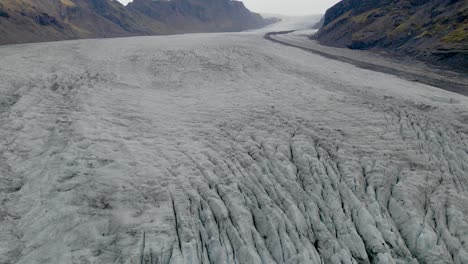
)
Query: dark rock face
[
  {"x": 45, "y": 20},
  {"x": 48, "y": 20},
  {"x": 4, "y": 14},
  {"x": 432, "y": 30}
]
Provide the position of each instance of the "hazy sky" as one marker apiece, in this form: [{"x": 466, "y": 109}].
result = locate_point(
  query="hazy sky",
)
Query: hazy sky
[{"x": 285, "y": 7}]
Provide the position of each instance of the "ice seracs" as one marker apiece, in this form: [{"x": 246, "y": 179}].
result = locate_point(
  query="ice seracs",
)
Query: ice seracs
[{"x": 224, "y": 148}]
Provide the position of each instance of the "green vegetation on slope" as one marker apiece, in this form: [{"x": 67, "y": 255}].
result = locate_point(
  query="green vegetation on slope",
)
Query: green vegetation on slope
[{"x": 434, "y": 30}]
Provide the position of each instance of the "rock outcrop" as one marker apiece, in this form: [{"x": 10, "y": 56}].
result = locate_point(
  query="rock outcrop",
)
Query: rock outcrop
[
  {"x": 48, "y": 20},
  {"x": 432, "y": 30}
]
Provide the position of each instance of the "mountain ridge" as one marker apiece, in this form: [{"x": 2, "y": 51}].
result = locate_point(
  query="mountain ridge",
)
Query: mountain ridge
[{"x": 24, "y": 21}]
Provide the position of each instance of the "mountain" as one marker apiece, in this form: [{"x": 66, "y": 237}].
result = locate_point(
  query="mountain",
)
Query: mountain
[
  {"x": 47, "y": 20},
  {"x": 431, "y": 30},
  {"x": 199, "y": 15}
]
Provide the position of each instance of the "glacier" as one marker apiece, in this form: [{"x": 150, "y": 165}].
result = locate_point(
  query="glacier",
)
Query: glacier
[{"x": 224, "y": 148}]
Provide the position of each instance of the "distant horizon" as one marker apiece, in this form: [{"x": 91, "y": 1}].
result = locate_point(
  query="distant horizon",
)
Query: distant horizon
[{"x": 282, "y": 7}]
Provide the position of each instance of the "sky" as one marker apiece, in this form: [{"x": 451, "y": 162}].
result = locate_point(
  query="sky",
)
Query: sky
[{"x": 285, "y": 7}]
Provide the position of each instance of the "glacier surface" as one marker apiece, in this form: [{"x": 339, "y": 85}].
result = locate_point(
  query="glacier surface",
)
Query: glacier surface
[{"x": 224, "y": 148}]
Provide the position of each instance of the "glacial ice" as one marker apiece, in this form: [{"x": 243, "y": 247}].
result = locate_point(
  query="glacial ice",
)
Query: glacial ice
[{"x": 224, "y": 148}]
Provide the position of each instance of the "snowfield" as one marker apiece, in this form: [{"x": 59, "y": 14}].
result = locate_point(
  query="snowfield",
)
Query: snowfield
[{"x": 224, "y": 148}]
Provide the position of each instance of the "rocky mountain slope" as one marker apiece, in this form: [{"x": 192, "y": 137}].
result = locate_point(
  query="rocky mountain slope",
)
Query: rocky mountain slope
[
  {"x": 47, "y": 20},
  {"x": 199, "y": 15},
  {"x": 434, "y": 30}
]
